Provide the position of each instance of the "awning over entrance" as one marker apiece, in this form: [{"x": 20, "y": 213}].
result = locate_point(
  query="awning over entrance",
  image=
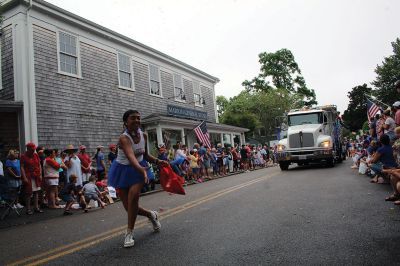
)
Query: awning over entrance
[
  {"x": 189, "y": 124},
  {"x": 169, "y": 130}
]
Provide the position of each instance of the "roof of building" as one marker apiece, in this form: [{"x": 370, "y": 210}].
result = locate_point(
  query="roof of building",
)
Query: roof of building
[{"x": 57, "y": 11}]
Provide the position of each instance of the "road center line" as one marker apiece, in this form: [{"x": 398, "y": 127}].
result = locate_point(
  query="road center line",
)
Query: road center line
[{"x": 93, "y": 240}]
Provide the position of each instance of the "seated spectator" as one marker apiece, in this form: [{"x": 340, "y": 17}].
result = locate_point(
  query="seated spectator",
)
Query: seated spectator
[
  {"x": 389, "y": 125},
  {"x": 396, "y": 145},
  {"x": 383, "y": 158},
  {"x": 91, "y": 192},
  {"x": 71, "y": 194}
]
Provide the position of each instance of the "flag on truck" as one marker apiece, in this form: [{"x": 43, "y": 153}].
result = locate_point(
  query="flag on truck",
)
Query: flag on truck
[
  {"x": 202, "y": 134},
  {"x": 372, "y": 109}
]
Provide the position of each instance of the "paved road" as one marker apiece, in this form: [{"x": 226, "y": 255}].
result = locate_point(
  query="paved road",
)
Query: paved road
[{"x": 299, "y": 217}]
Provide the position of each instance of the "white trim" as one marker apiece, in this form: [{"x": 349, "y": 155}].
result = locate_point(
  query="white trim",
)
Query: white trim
[
  {"x": 132, "y": 88},
  {"x": 47, "y": 10},
  {"x": 78, "y": 54},
  {"x": 159, "y": 80},
  {"x": 111, "y": 43}
]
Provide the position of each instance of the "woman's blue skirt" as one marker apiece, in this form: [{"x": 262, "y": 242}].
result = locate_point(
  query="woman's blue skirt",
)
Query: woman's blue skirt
[{"x": 125, "y": 176}]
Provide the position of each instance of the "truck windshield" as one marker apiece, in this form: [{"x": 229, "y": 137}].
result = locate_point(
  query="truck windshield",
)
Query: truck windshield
[{"x": 301, "y": 119}]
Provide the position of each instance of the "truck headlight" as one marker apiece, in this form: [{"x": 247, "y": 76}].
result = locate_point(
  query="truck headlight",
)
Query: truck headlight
[
  {"x": 325, "y": 144},
  {"x": 281, "y": 148}
]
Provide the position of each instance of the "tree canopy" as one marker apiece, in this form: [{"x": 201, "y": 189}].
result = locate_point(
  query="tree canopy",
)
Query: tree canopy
[
  {"x": 356, "y": 113},
  {"x": 387, "y": 74},
  {"x": 279, "y": 70}
]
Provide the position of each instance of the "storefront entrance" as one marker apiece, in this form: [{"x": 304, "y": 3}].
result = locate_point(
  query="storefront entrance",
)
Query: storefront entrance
[{"x": 9, "y": 136}]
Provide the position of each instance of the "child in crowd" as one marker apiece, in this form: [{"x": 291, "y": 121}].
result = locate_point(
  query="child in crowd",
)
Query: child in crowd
[
  {"x": 92, "y": 192},
  {"x": 70, "y": 194},
  {"x": 194, "y": 167}
]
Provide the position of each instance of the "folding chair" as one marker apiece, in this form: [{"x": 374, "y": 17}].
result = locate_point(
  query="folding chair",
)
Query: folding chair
[{"x": 10, "y": 197}]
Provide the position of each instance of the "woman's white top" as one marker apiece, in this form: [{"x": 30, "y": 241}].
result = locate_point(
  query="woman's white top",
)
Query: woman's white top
[
  {"x": 50, "y": 171},
  {"x": 75, "y": 169},
  {"x": 138, "y": 149}
]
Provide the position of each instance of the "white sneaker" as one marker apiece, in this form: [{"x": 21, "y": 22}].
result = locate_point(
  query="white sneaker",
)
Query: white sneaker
[
  {"x": 154, "y": 220},
  {"x": 19, "y": 206},
  {"x": 129, "y": 240}
]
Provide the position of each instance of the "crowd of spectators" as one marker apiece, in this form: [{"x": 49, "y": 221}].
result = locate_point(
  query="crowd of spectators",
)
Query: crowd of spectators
[
  {"x": 201, "y": 163},
  {"x": 71, "y": 179},
  {"x": 53, "y": 179},
  {"x": 377, "y": 153}
]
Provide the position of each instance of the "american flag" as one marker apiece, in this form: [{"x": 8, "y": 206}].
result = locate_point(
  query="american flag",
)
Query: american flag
[
  {"x": 202, "y": 134},
  {"x": 372, "y": 109}
]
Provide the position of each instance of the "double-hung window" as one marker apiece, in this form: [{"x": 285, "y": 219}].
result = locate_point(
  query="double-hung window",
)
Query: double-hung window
[
  {"x": 197, "y": 93},
  {"x": 155, "y": 85},
  {"x": 124, "y": 71},
  {"x": 68, "y": 54},
  {"x": 178, "y": 88}
]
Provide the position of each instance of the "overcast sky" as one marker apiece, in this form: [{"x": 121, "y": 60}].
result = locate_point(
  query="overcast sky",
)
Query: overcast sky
[{"x": 337, "y": 44}]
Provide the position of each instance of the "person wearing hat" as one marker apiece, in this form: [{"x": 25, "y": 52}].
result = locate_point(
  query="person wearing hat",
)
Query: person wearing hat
[
  {"x": 31, "y": 172},
  {"x": 100, "y": 163},
  {"x": 396, "y": 107},
  {"x": 73, "y": 163},
  {"x": 86, "y": 163}
]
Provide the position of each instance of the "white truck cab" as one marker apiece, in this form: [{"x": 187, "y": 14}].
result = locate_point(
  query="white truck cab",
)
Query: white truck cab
[{"x": 313, "y": 135}]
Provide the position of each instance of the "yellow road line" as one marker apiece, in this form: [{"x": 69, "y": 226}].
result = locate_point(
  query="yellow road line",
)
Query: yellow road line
[{"x": 90, "y": 241}]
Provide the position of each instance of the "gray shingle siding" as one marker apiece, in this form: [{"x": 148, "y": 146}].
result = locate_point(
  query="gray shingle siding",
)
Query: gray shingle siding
[
  {"x": 7, "y": 67},
  {"x": 78, "y": 111},
  {"x": 88, "y": 110}
]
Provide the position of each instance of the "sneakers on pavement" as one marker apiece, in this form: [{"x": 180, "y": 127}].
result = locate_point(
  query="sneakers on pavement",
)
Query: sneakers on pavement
[
  {"x": 19, "y": 206},
  {"x": 129, "y": 240},
  {"x": 154, "y": 220}
]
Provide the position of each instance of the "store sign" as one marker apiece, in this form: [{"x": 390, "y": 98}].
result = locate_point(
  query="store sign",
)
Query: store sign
[{"x": 186, "y": 112}]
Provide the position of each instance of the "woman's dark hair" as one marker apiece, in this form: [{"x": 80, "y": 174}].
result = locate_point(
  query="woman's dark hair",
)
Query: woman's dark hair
[
  {"x": 384, "y": 139},
  {"x": 128, "y": 113}
]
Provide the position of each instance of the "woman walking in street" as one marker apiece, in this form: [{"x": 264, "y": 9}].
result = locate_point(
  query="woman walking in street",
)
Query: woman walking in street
[{"x": 129, "y": 172}]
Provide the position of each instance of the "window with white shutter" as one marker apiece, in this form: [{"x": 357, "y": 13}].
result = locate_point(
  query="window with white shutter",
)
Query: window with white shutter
[
  {"x": 197, "y": 93},
  {"x": 178, "y": 88},
  {"x": 125, "y": 71},
  {"x": 68, "y": 54},
  {"x": 155, "y": 85}
]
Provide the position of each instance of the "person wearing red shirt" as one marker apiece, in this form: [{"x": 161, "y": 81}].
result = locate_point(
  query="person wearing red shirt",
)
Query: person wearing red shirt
[
  {"x": 86, "y": 163},
  {"x": 32, "y": 177}
]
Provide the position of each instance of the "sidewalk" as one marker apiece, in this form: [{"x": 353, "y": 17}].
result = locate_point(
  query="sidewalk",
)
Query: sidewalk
[{"x": 14, "y": 220}]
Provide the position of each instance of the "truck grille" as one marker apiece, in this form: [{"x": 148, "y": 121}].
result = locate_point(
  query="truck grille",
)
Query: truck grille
[{"x": 294, "y": 140}]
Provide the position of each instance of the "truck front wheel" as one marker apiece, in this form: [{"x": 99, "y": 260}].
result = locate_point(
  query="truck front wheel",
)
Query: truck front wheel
[{"x": 284, "y": 166}]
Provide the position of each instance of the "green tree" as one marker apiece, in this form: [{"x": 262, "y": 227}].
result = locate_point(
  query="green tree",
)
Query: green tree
[
  {"x": 257, "y": 110},
  {"x": 222, "y": 103},
  {"x": 356, "y": 113},
  {"x": 280, "y": 70},
  {"x": 387, "y": 74}
]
